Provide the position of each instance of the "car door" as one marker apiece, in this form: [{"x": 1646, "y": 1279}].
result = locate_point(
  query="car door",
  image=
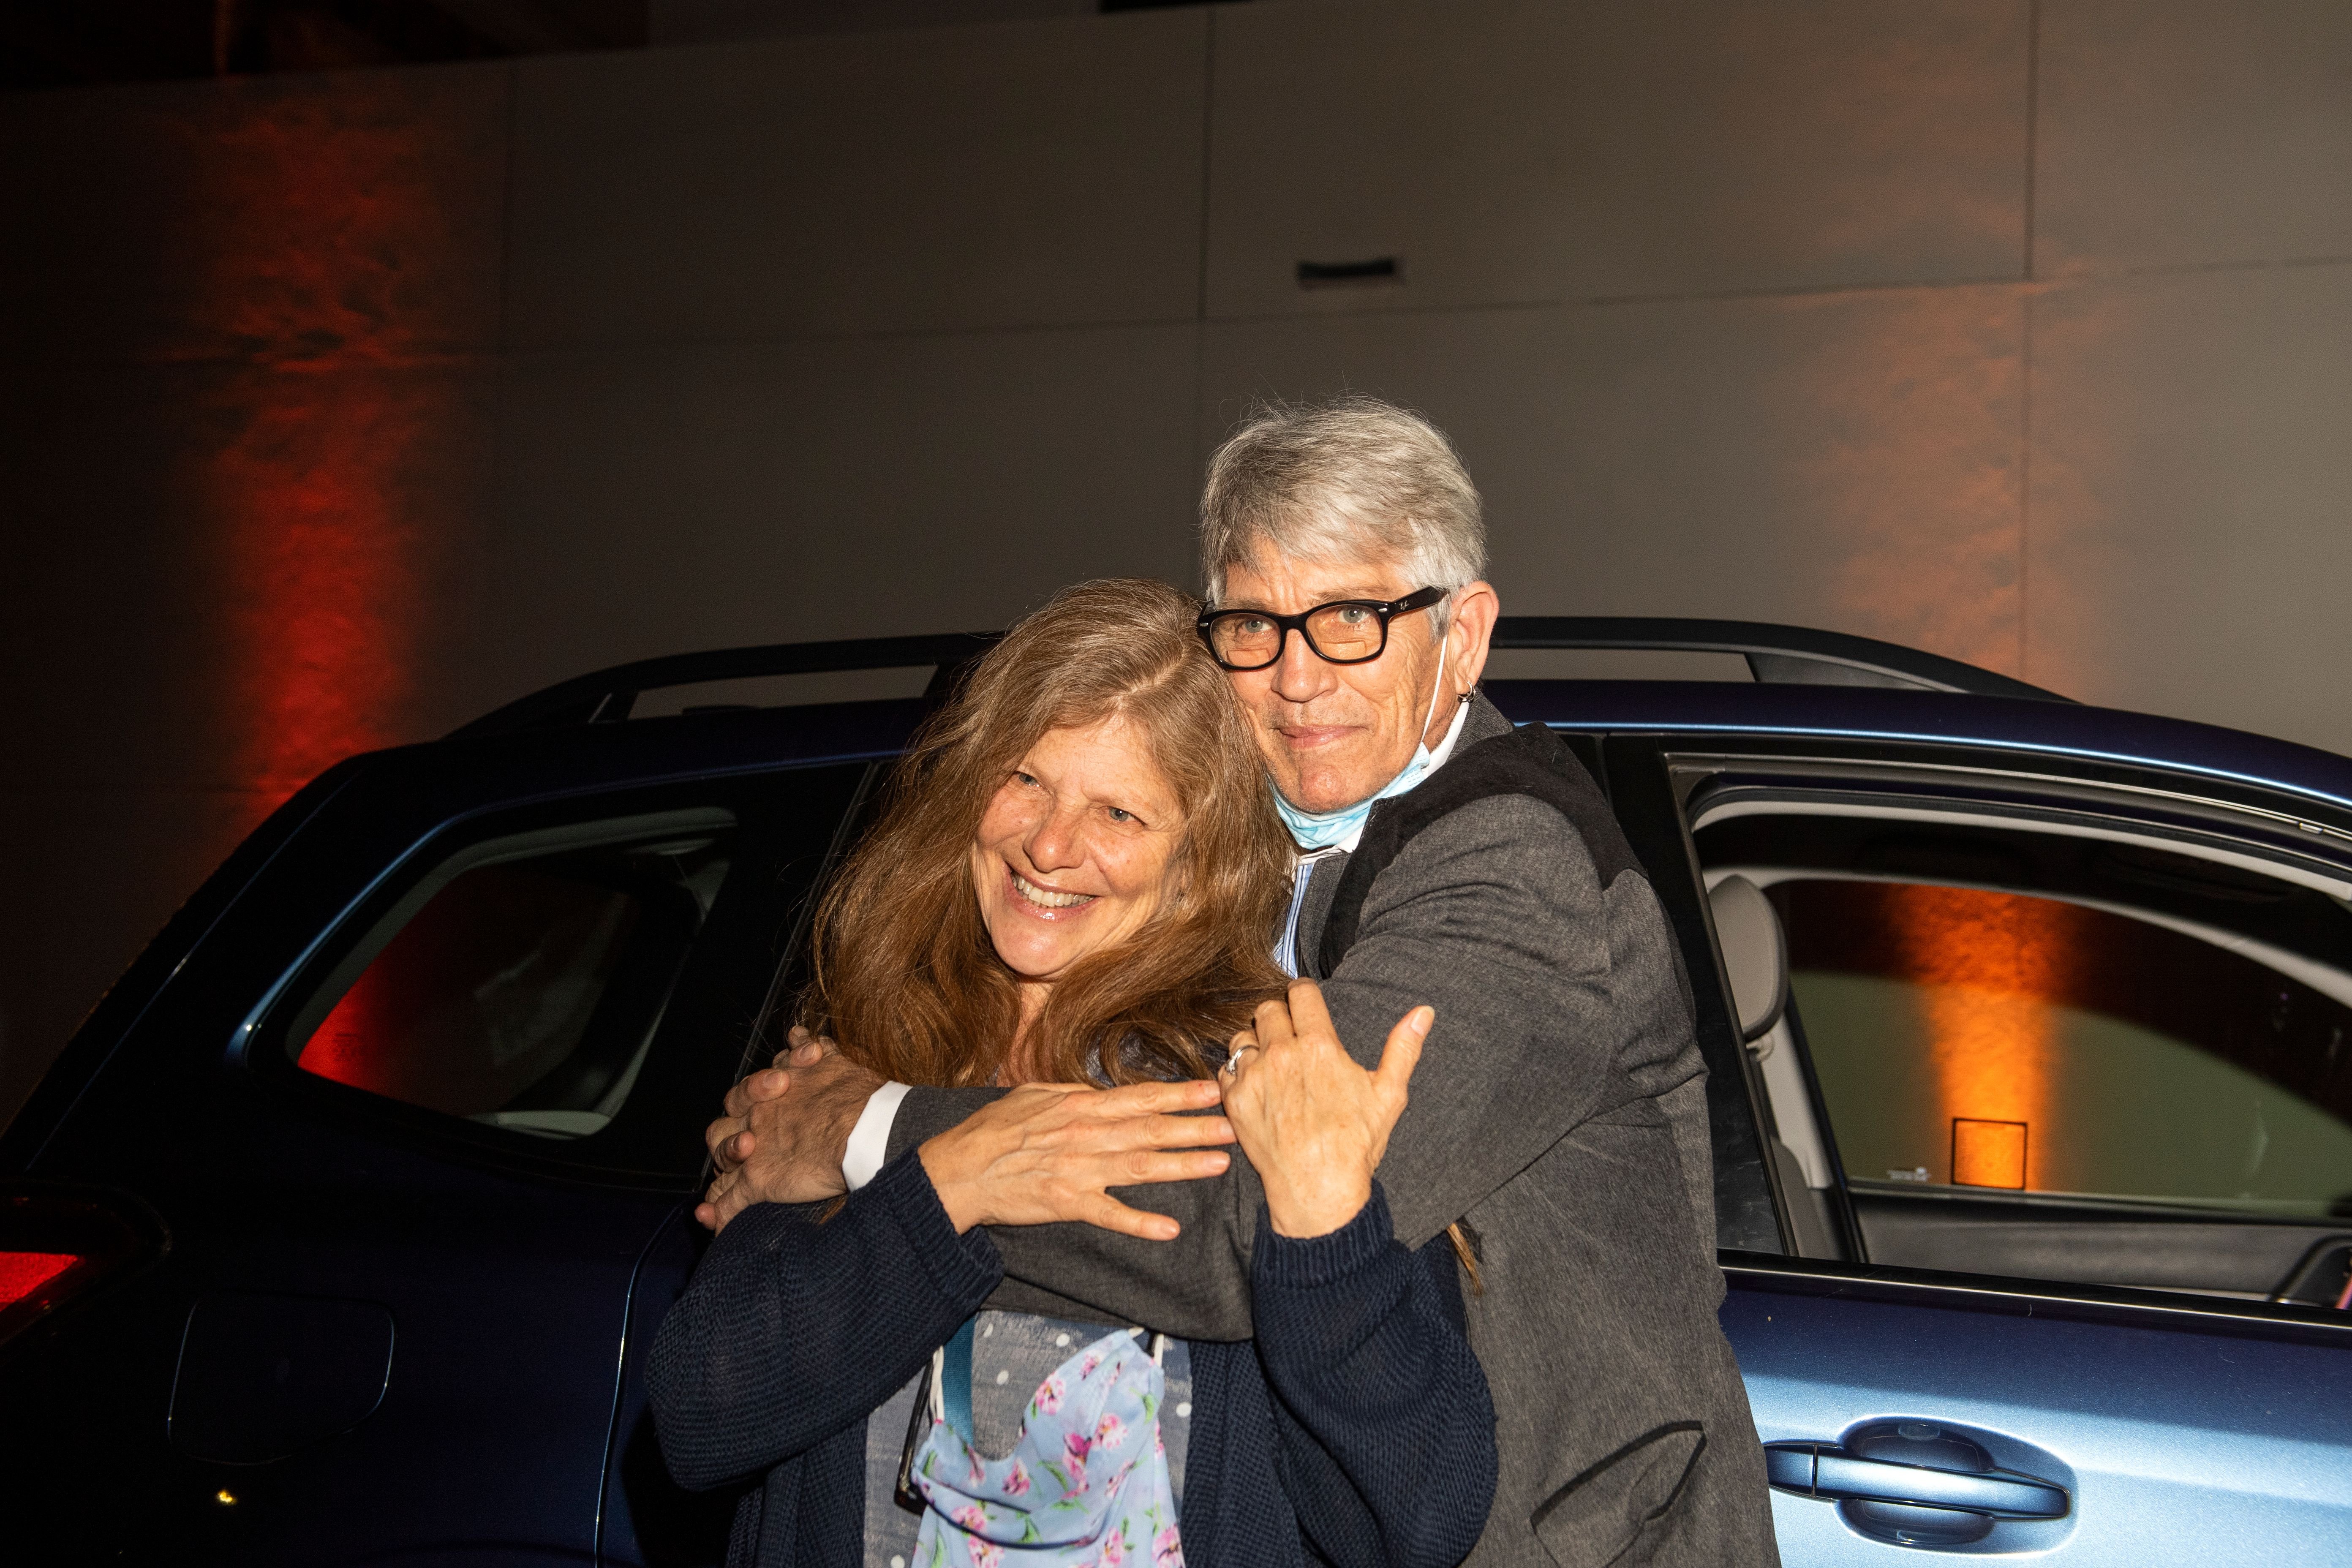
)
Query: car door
[
  {"x": 2050, "y": 1070},
  {"x": 410, "y": 1114}
]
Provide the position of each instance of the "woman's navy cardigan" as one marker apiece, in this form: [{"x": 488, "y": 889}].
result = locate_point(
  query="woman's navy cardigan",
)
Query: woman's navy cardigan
[{"x": 1356, "y": 1429}]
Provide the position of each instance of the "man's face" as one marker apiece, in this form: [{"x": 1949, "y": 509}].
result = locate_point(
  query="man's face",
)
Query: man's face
[{"x": 1334, "y": 735}]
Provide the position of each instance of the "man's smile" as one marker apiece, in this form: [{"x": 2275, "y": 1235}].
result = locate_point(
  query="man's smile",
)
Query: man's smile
[{"x": 1306, "y": 737}]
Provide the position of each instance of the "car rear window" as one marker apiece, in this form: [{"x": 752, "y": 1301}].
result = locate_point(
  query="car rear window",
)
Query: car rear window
[{"x": 519, "y": 982}]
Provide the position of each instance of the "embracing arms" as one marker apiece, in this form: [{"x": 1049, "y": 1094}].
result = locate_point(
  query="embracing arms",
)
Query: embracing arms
[{"x": 1495, "y": 916}]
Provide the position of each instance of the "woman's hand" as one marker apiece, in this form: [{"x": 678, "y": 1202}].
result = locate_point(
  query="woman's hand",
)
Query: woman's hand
[
  {"x": 1046, "y": 1151},
  {"x": 1313, "y": 1122}
]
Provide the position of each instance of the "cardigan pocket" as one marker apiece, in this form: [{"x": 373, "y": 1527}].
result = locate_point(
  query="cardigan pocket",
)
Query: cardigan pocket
[{"x": 1614, "y": 1514}]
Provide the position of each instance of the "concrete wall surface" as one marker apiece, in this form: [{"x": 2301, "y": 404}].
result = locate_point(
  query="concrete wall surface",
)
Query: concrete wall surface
[{"x": 341, "y": 408}]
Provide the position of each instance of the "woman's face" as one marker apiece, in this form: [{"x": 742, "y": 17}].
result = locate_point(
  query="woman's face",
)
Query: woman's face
[{"x": 1074, "y": 849}]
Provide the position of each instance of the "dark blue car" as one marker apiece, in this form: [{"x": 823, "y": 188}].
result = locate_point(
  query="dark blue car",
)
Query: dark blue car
[{"x": 339, "y": 1231}]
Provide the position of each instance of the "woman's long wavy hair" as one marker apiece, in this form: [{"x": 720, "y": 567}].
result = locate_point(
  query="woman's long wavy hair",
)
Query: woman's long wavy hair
[{"x": 903, "y": 972}]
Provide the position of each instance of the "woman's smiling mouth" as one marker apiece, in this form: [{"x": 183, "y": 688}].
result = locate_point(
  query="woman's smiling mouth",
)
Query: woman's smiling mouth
[{"x": 1046, "y": 899}]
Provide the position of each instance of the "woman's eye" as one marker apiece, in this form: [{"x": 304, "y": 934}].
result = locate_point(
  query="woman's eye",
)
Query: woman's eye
[
  {"x": 1020, "y": 778},
  {"x": 1119, "y": 815}
]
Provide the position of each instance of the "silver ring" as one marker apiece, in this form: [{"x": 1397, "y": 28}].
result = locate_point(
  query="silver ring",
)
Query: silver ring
[{"x": 1234, "y": 1062}]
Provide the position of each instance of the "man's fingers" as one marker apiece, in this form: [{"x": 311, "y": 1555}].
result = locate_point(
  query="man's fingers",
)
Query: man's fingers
[
  {"x": 767, "y": 1083},
  {"x": 1110, "y": 1213},
  {"x": 1401, "y": 1054},
  {"x": 718, "y": 1136},
  {"x": 732, "y": 1202},
  {"x": 706, "y": 1214}
]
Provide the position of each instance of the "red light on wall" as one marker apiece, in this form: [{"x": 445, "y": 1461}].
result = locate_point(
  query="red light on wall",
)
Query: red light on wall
[
  {"x": 339, "y": 269},
  {"x": 22, "y": 1273}
]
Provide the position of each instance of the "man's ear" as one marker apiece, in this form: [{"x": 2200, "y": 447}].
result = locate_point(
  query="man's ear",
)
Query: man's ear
[{"x": 1476, "y": 609}]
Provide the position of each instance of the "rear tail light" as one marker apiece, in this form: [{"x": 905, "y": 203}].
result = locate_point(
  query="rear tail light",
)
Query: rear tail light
[{"x": 57, "y": 1246}]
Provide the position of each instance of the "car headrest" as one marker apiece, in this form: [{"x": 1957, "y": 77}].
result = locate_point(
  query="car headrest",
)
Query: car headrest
[{"x": 1754, "y": 953}]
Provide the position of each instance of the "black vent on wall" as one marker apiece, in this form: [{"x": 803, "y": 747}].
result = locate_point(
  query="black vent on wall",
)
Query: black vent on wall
[{"x": 1370, "y": 273}]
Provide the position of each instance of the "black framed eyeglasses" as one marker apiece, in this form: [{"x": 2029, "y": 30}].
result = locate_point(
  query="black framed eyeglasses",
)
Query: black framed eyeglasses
[{"x": 1345, "y": 631}]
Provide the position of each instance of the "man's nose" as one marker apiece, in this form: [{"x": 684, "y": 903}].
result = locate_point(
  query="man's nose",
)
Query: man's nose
[
  {"x": 1055, "y": 843},
  {"x": 1300, "y": 675}
]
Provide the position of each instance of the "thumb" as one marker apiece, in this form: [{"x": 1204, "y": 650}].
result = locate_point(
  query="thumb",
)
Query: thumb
[{"x": 1402, "y": 1052}]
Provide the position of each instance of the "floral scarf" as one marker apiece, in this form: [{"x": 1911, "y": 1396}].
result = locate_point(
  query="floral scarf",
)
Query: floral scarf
[{"x": 1086, "y": 1483}]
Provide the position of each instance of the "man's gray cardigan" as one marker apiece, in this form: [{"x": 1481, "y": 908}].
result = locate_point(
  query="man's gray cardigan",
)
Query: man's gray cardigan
[{"x": 1560, "y": 1112}]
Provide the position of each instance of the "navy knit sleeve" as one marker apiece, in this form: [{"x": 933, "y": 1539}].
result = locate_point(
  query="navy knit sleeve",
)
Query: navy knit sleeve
[
  {"x": 1386, "y": 1427},
  {"x": 792, "y": 1328}
]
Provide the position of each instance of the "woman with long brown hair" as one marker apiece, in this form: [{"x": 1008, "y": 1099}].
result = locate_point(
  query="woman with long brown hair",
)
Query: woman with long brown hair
[{"x": 1073, "y": 885}]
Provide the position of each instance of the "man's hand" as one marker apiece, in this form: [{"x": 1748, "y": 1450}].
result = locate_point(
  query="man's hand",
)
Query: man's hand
[
  {"x": 785, "y": 1129},
  {"x": 1045, "y": 1153},
  {"x": 729, "y": 1139},
  {"x": 1313, "y": 1122}
]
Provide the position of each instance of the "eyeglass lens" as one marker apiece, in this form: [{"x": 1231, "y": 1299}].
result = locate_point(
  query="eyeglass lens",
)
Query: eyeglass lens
[{"x": 1338, "y": 632}]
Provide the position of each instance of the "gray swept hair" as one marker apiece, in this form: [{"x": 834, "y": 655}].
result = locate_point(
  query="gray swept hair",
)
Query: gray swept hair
[{"x": 1352, "y": 479}]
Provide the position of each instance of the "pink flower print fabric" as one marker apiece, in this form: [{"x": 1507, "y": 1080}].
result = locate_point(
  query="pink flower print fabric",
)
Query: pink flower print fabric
[{"x": 1085, "y": 1485}]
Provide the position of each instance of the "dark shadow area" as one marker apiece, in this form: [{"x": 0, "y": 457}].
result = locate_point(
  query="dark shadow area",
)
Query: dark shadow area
[{"x": 676, "y": 1528}]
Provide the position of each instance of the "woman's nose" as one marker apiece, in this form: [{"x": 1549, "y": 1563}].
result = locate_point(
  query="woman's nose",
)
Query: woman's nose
[{"x": 1054, "y": 845}]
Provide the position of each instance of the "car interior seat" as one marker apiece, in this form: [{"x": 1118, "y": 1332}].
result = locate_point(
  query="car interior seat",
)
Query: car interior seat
[{"x": 1756, "y": 957}]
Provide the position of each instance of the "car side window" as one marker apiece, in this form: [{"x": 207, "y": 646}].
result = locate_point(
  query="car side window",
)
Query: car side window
[
  {"x": 2023, "y": 1050},
  {"x": 1969, "y": 1036},
  {"x": 519, "y": 983}
]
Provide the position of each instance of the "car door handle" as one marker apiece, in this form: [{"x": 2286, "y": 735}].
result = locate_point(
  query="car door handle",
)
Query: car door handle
[{"x": 1826, "y": 1471}]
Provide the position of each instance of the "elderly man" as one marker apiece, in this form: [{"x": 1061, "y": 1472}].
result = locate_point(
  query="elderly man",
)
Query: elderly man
[{"x": 1559, "y": 1114}]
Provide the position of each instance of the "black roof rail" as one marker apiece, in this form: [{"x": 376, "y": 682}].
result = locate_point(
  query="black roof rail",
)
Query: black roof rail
[
  {"x": 607, "y": 695},
  {"x": 1778, "y": 655},
  {"x": 1775, "y": 654}
]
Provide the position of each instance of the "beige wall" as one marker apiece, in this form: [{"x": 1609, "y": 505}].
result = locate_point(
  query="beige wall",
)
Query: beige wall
[{"x": 338, "y": 409}]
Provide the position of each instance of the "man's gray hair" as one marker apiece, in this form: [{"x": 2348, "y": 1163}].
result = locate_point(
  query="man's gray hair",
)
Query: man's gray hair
[{"x": 1352, "y": 478}]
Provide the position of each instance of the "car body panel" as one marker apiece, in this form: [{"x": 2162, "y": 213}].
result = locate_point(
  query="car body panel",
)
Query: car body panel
[{"x": 2171, "y": 1429}]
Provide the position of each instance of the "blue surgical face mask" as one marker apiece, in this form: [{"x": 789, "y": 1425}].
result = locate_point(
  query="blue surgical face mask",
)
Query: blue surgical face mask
[{"x": 1342, "y": 828}]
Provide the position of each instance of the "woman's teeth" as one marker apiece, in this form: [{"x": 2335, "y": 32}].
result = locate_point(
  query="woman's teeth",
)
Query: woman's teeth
[{"x": 1039, "y": 896}]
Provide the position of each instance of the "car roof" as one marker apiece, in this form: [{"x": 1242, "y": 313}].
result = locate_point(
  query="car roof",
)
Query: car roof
[
  {"x": 735, "y": 739},
  {"x": 1862, "y": 713},
  {"x": 1809, "y": 684}
]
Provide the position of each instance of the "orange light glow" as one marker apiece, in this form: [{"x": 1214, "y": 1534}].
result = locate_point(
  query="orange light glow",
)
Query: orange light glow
[
  {"x": 1987, "y": 1153},
  {"x": 1987, "y": 964}
]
